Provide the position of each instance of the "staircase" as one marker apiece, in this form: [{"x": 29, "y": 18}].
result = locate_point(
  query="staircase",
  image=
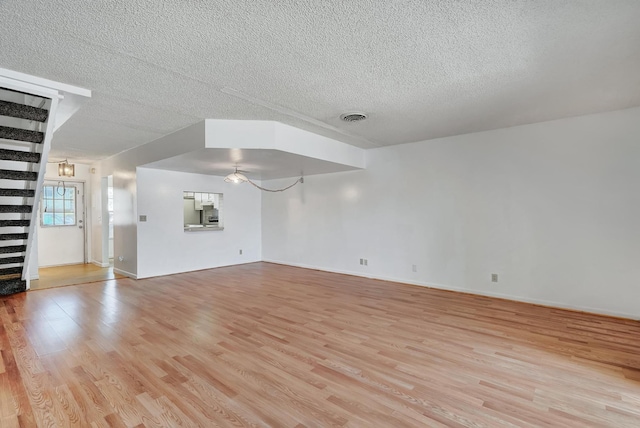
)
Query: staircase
[
  {"x": 31, "y": 109},
  {"x": 25, "y": 121}
]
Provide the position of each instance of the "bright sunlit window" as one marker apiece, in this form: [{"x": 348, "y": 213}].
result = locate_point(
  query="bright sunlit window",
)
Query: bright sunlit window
[{"x": 58, "y": 206}]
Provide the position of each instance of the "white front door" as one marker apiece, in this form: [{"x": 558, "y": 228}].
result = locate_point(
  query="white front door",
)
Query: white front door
[{"x": 61, "y": 228}]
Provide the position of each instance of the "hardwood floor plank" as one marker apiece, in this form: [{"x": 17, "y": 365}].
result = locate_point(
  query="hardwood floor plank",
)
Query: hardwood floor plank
[{"x": 264, "y": 345}]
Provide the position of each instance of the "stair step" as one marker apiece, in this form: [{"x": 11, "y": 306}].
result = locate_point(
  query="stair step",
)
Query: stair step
[
  {"x": 13, "y": 236},
  {"x": 11, "y": 260},
  {"x": 18, "y": 134},
  {"x": 15, "y": 208},
  {"x": 22, "y": 111},
  {"x": 9, "y": 174},
  {"x": 11, "y": 286},
  {"x": 19, "y": 155},
  {"x": 10, "y": 270},
  {"x": 15, "y": 223},
  {"x": 25, "y": 193},
  {"x": 13, "y": 249}
]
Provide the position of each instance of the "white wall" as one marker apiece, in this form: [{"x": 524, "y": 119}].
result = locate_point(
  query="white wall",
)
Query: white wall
[
  {"x": 163, "y": 245},
  {"x": 552, "y": 208},
  {"x": 208, "y": 133},
  {"x": 123, "y": 168}
]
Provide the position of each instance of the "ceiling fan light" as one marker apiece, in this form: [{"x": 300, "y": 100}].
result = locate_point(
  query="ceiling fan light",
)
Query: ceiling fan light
[{"x": 236, "y": 177}]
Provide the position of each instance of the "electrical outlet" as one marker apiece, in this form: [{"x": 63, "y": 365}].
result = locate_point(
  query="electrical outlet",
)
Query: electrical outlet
[
  {"x": 494, "y": 277},
  {"x": 240, "y": 252},
  {"x": 143, "y": 218},
  {"x": 414, "y": 268},
  {"x": 362, "y": 261},
  {"x": 366, "y": 262}
]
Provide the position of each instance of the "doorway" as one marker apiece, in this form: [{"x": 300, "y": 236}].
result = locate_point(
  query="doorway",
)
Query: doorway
[
  {"x": 62, "y": 249},
  {"x": 61, "y": 224}
]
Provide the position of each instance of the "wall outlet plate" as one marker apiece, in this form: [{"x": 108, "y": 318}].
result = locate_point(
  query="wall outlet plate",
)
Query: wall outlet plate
[
  {"x": 143, "y": 218},
  {"x": 494, "y": 277}
]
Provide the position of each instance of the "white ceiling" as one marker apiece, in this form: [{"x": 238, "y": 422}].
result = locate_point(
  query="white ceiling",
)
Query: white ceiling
[
  {"x": 421, "y": 69},
  {"x": 257, "y": 164}
]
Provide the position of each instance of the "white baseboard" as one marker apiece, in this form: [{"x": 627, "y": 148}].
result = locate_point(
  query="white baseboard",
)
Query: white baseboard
[
  {"x": 100, "y": 264},
  {"x": 125, "y": 273},
  {"x": 541, "y": 302},
  {"x": 196, "y": 270},
  {"x": 31, "y": 278}
]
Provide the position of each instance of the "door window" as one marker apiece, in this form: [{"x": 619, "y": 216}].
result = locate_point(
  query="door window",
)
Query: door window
[{"x": 58, "y": 206}]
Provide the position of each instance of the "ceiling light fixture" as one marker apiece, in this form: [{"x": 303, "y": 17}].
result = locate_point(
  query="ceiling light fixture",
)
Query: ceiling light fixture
[
  {"x": 66, "y": 169},
  {"x": 237, "y": 177}
]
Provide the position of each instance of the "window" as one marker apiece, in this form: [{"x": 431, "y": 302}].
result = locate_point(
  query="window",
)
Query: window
[{"x": 58, "y": 206}]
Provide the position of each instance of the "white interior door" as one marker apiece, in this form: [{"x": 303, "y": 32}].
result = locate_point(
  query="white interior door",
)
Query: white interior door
[{"x": 61, "y": 228}]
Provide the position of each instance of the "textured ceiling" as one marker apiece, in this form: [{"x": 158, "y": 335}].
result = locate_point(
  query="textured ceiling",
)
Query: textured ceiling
[{"x": 421, "y": 69}]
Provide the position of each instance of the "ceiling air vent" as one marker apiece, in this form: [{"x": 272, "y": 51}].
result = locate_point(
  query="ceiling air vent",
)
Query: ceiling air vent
[{"x": 353, "y": 117}]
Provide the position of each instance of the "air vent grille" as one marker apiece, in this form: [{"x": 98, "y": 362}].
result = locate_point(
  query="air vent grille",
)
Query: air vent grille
[{"x": 353, "y": 117}]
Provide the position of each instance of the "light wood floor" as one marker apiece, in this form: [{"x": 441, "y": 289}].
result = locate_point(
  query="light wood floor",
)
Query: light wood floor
[
  {"x": 268, "y": 345},
  {"x": 60, "y": 276}
]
